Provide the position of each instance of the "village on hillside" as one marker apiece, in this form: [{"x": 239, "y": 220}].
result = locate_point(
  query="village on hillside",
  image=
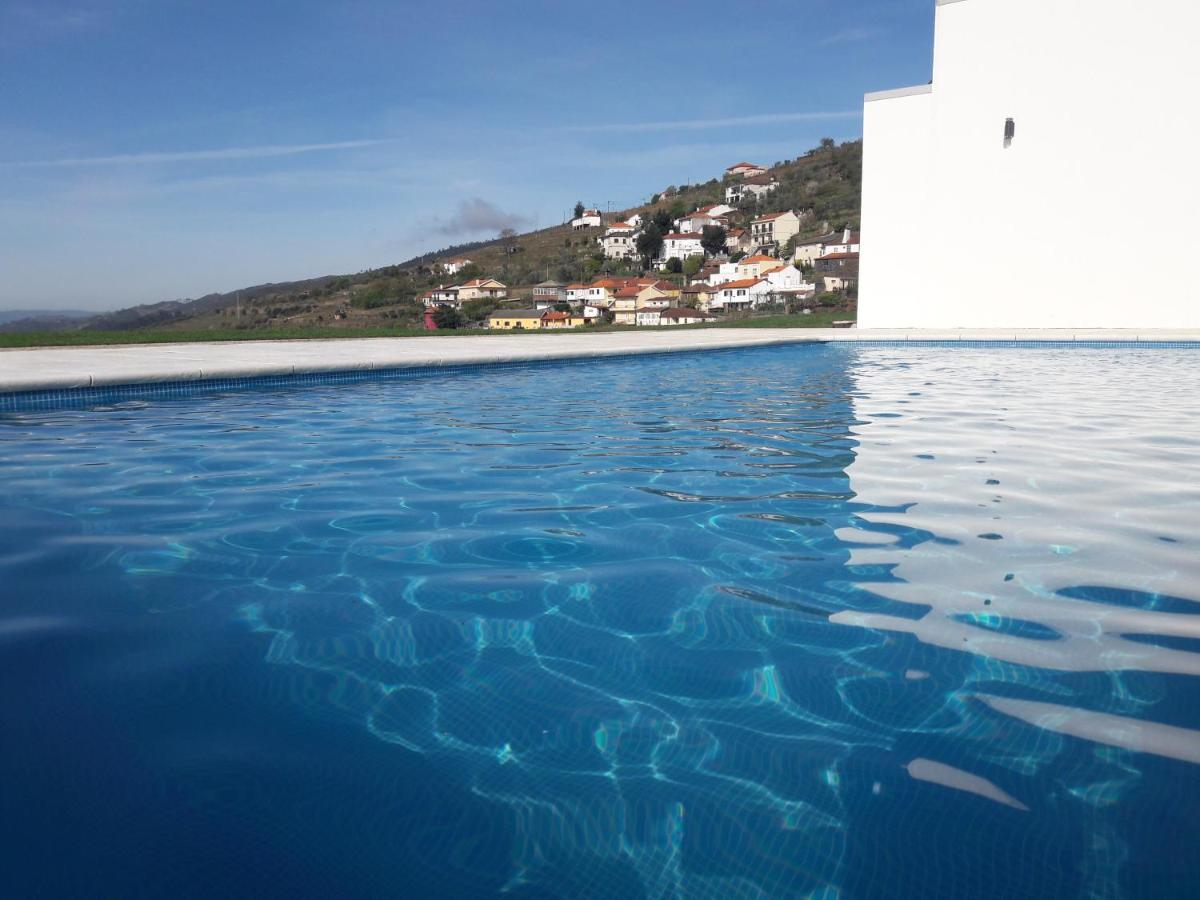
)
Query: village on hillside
[
  {"x": 716, "y": 261},
  {"x": 753, "y": 243}
]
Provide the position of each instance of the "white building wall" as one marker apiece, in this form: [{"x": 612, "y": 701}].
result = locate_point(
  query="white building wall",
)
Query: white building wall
[{"x": 1103, "y": 94}]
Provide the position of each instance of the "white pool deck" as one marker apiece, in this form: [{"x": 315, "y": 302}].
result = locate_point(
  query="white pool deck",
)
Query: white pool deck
[{"x": 59, "y": 368}]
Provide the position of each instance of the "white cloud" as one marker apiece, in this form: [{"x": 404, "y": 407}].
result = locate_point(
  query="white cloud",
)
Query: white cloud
[
  {"x": 850, "y": 35},
  {"x": 227, "y": 153}
]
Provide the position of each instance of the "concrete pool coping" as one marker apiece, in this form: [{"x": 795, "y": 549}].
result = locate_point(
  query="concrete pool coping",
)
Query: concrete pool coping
[{"x": 67, "y": 368}]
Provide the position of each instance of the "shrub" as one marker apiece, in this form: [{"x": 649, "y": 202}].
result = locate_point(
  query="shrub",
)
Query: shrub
[{"x": 447, "y": 317}]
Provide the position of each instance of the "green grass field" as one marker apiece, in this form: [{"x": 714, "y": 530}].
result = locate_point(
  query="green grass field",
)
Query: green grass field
[{"x": 822, "y": 319}]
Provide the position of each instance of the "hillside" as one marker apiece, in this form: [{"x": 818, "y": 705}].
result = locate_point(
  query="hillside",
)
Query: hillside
[
  {"x": 825, "y": 182},
  {"x": 41, "y": 319}
]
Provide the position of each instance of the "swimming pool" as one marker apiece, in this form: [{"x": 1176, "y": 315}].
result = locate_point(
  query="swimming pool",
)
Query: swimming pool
[{"x": 802, "y": 621}]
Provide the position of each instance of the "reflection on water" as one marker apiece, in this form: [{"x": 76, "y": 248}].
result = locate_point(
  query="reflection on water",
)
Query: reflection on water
[{"x": 813, "y": 621}]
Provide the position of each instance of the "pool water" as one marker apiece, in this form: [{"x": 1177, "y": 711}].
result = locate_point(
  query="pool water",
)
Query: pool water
[{"x": 818, "y": 621}]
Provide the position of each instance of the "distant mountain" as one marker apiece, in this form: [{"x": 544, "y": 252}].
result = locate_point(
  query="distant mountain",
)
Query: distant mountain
[
  {"x": 168, "y": 311},
  {"x": 39, "y": 319}
]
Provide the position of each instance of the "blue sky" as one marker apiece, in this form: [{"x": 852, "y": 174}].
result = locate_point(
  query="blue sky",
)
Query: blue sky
[{"x": 157, "y": 149}]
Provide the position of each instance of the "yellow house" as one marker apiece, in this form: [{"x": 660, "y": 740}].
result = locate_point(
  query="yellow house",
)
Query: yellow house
[
  {"x": 517, "y": 319},
  {"x": 555, "y": 319},
  {"x": 480, "y": 288},
  {"x": 628, "y": 300},
  {"x": 756, "y": 266},
  {"x": 698, "y": 296},
  {"x": 668, "y": 289}
]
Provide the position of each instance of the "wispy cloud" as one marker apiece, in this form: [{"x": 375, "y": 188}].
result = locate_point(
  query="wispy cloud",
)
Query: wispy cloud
[
  {"x": 24, "y": 21},
  {"x": 226, "y": 153},
  {"x": 850, "y": 35},
  {"x": 476, "y": 216},
  {"x": 728, "y": 122}
]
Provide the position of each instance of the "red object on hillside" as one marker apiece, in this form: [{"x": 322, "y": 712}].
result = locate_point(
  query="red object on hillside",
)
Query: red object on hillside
[{"x": 430, "y": 325}]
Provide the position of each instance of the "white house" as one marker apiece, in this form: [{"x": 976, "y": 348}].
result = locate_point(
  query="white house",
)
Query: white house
[
  {"x": 442, "y": 296},
  {"x": 648, "y": 317},
  {"x": 635, "y": 220},
  {"x": 726, "y": 272},
  {"x": 681, "y": 246},
  {"x": 788, "y": 278},
  {"x": 575, "y": 294},
  {"x": 713, "y": 214},
  {"x": 1076, "y": 116},
  {"x": 694, "y": 223},
  {"x": 758, "y": 186},
  {"x": 846, "y": 242},
  {"x": 683, "y": 315},
  {"x": 745, "y": 293},
  {"x": 589, "y": 219},
  {"x": 619, "y": 241}
]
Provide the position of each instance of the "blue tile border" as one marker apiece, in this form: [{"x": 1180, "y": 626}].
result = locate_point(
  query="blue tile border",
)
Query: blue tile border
[
  {"x": 76, "y": 398},
  {"x": 1029, "y": 344}
]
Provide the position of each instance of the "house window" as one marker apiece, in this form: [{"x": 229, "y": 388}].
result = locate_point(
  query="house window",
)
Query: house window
[{"x": 1010, "y": 131}]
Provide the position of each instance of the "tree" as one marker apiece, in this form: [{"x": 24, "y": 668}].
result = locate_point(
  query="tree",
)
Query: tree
[
  {"x": 692, "y": 265},
  {"x": 662, "y": 220},
  {"x": 713, "y": 238},
  {"x": 562, "y": 306},
  {"x": 674, "y": 265},
  {"x": 579, "y": 209},
  {"x": 447, "y": 317},
  {"x": 476, "y": 310},
  {"x": 649, "y": 243},
  {"x": 508, "y": 240}
]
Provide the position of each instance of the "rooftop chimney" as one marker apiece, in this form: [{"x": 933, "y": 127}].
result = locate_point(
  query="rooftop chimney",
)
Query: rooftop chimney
[{"x": 846, "y": 236}]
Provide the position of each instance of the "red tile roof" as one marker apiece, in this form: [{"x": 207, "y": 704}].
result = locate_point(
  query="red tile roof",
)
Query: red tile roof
[
  {"x": 742, "y": 283},
  {"x": 839, "y": 256},
  {"x": 758, "y": 258},
  {"x": 683, "y": 312},
  {"x": 770, "y": 217}
]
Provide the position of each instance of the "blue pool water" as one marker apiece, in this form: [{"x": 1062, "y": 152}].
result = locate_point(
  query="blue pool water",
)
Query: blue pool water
[{"x": 817, "y": 621}]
